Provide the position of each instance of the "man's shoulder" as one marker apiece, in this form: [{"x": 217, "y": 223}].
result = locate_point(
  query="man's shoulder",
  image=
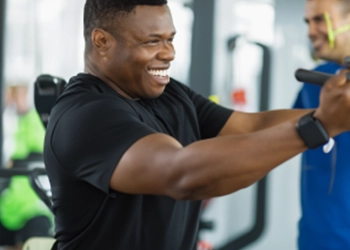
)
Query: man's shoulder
[
  {"x": 85, "y": 83},
  {"x": 86, "y": 98},
  {"x": 85, "y": 88},
  {"x": 328, "y": 67}
]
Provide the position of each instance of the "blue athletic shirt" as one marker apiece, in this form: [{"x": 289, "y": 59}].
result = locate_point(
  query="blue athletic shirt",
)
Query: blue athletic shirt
[{"x": 325, "y": 184}]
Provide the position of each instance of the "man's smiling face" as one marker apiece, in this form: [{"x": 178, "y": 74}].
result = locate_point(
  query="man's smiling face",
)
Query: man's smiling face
[
  {"x": 140, "y": 58},
  {"x": 317, "y": 28}
]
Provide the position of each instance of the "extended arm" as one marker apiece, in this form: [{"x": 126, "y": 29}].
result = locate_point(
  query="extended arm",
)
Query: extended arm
[
  {"x": 243, "y": 123},
  {"x": 157, "y": 164}
]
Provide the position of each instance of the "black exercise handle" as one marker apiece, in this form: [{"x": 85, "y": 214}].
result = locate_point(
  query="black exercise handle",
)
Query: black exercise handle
[{"x": 309, "y": 76}]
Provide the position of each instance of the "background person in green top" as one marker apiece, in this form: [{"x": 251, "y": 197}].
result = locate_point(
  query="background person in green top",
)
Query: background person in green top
[{"x": 22, "y": 213}]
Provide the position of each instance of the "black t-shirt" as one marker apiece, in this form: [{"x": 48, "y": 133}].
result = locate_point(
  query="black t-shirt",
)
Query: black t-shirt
[{"x": 90, "y": 128}]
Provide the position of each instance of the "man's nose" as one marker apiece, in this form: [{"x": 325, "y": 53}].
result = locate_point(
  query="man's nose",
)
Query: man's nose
[
  {"x": 312, "y": 31},
  {"x": 167, "y": 52}
]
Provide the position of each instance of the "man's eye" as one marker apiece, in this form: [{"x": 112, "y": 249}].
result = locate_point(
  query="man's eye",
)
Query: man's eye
[
  {"x": 319, "y": 20},
  {"x": 152, "y": 42}
]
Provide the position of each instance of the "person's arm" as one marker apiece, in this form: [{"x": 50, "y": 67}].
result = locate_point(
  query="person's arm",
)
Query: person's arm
[
  {"x": 157, "y": 164},
  {"x": 243, "y": 123}
]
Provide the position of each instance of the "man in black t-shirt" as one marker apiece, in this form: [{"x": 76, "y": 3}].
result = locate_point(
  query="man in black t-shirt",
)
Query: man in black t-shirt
[{"x": 131, "y": 153}]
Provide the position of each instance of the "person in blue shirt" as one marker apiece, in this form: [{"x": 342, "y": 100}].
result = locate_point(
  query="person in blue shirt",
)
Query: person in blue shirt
[{"x": 325, "y": 177}]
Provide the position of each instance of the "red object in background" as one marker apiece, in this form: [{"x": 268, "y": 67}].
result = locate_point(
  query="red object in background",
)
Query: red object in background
[
  {"x": 203, "y": 245},
  {"x": 239, "y": 96},
  {"x": 205, "y": 203}
]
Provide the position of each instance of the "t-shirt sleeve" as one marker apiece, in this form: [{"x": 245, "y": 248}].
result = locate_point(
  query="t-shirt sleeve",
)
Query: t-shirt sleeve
[
  {"x": 89, "y": 141},
  {"x": 211, "y": 116}
]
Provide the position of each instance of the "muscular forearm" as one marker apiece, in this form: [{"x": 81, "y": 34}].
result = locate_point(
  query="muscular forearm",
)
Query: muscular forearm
[
  {"x": 226, "y": 164},
  {"x": 272, "y": 118},
  {"x": 242, "y": 123}
]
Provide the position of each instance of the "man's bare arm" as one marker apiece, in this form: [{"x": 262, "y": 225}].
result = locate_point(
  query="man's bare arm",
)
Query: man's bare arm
[
  {"x": 157, "y": 164},
  {"x": 243, "y": 123}
]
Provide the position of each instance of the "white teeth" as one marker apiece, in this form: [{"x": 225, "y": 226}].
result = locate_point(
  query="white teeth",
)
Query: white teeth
[{"x": 162, "y": 73}]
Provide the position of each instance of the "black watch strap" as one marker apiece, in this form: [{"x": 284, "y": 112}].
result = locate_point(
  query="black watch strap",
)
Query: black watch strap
[{"x": 311, "y": 131}]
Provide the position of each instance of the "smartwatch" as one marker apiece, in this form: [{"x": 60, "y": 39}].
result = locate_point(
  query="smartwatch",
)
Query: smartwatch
[{"x": 311, "y": 131}]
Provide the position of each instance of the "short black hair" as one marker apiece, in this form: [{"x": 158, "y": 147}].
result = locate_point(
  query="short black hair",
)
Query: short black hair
[{"x": 103, "y": 14}]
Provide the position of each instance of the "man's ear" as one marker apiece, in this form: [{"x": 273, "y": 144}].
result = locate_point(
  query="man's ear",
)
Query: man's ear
[{"x": 101, "y": 41}]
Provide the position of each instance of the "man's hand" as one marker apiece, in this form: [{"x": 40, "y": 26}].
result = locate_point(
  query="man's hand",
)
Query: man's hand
[{"x": 334, "y": 109}]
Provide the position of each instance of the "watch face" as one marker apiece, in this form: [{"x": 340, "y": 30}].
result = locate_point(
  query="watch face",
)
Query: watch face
[{"x": 311, "y": 131}]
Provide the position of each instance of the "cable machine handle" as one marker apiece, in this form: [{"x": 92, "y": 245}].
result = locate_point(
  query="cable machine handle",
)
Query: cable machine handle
[{"x": 309, "y": 76}]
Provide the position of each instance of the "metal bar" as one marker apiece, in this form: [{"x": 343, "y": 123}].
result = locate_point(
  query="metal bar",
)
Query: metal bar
[
  {"x": 202, "y": 47},
  {"x": 2, "y": 82},
  {"x": 261, "y": 194},
  {"x": 7, "y": 173}
]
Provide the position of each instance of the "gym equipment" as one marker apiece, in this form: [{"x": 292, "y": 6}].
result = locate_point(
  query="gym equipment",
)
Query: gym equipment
[
  {"x": 47, "y": 88},
  {"x": 315, "y": 77},
  {"x": 41, "y": 185},
  {"x": 260, "y": 200},
  {"x": 38, "y": 243},
  {"x": 309, "y": 76}
]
